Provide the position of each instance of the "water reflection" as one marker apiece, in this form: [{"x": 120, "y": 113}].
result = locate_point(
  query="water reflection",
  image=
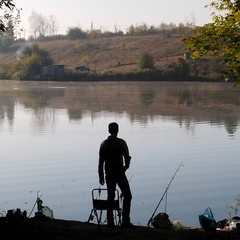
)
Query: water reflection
[
  {"x": 7, "y": 105},
  {"x": 56, "y": 128},
  {"x": 185, "y": 103}
]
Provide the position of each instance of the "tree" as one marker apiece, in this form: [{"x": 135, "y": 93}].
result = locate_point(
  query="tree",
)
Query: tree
[
  {"x": 182, "y": 69},
  {"x": 75, "y": 33},
  {"x": 53, "y": 25},
  {"x": 31, "y": 60},
  {"x": 38, "y": 24},
  {"x": 28, "y": 67},
  {"x": 220, "y": 38},
  {"x": 34, "y": 49},
  {"x": 146, "y": 61},
  {"x": 10, "y": 12},
  {"x": 7, "y": 37}
]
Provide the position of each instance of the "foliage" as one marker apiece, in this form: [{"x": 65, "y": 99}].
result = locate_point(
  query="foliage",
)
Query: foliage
[
  {"x": 31, "y": 59},
  {"x": 7, "y": 37},
  {"x": 28, "y": 67},
  {"x": 163, "y": 29},
  {"x": 10, "y": 12},
  {"x": 146, "y": 61},
  {"x": 34, "y": 49},
  {"x": 219, "y": 38},
  {"x": 7, "y": 70},
  {"x": 85, "y": 59},
  {"x": 183, "y": 68},
  {"x": 138, "y": 30},
  {"x": 75, "y": 33}
]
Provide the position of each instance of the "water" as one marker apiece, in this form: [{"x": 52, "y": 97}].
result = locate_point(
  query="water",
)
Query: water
[{"x": 51, "y": 132}]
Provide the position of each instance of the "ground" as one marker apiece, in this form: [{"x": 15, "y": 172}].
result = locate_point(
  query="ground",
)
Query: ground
[{"x": 49, "y": 229}]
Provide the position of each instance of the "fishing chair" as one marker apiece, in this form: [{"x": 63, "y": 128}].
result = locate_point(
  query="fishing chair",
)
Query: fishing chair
[{"x": 100, "y": 204}]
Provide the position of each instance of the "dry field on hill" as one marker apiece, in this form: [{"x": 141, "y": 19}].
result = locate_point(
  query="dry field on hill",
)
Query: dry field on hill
[{"x": 105, "y": 54}]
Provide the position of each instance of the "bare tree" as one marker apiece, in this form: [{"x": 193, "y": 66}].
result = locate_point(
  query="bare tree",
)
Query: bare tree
[
  {"x": 33, "y": 20},
  {"x": 53, "y": 25},
  {"x": 38, "y": 24},
  {"x": 43, "y": 25}
]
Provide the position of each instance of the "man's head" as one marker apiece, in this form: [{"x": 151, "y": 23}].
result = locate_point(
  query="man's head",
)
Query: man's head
[{"x": 113, "y": 128}]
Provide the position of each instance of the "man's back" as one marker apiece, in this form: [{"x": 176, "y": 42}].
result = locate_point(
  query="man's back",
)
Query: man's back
[
  {"x": 114, "y": 157},
  {"x": 112, "y": 151}
]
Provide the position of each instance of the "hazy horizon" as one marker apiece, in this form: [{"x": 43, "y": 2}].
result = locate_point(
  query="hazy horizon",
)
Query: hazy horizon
[{"x": 108, "y": 15}]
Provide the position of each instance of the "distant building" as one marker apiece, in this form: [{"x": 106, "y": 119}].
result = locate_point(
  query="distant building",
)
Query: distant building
[{"x": 52, "y": 71}]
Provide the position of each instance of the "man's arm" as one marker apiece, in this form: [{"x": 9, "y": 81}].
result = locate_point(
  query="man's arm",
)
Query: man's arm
[
  {"x": 126, "y": 156},
  {"x": 100, "y": 168},
  {"x": 100, "y": 172}
]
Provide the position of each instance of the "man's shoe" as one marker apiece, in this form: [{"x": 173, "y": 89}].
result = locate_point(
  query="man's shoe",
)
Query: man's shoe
[{"x": 128, "y": 225}]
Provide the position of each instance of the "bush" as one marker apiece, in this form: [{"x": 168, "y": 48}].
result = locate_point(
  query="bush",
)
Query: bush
[
  {"x": 76, "y": 33},
  {"x": 146, "y": 61},
  {"x": 45, "y": 58},
  {"x": 28, "y": 67}
]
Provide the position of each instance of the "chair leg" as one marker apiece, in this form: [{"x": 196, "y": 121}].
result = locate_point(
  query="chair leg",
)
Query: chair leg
[
  {"x": 99, "y": 218},
  {"x": 90, "y": 216}
]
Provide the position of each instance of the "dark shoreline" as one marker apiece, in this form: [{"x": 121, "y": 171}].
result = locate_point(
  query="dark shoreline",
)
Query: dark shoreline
[
  {"x": 146, "y": 76},
  {"x": 49, "y": 229}
]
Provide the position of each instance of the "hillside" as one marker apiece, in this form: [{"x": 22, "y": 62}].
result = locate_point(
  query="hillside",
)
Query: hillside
[{"x": 107, "y": 54}]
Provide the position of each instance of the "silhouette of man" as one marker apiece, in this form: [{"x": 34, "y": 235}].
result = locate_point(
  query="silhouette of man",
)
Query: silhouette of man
[{"x": 114, "y": 159}]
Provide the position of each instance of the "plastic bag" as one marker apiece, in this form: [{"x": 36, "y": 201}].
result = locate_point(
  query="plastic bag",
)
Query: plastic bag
[{"x": 207, "y": 221}]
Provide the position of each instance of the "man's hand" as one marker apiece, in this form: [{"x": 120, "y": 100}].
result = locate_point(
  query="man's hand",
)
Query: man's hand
[{"x": 101, "y": 181}]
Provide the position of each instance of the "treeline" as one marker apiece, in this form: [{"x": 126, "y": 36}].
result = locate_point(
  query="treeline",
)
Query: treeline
[
  {"x": 47, "y": 27},
  {"x": 46, "y": 30},
  {"x": 74, "y": 33}
]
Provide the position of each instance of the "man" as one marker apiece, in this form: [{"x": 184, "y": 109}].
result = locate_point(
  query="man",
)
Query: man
[{"x": 114, "y": 159}]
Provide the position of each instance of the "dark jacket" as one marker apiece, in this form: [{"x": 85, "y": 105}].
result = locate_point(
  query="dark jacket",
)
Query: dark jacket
[{"x": 113, "y": 156}]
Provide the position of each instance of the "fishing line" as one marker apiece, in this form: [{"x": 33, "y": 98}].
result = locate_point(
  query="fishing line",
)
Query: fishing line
[{"x": 165, "y": 193}]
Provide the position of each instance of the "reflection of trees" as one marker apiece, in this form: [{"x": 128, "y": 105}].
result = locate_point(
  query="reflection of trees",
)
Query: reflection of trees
[
  {"x": 44, "y": 116},
  {"x": 231, "y": 125},
  {"x": 75, "y": 114},
  {"x": 39, "y": 97},
  {"x": 7, "y": 105},
  {"x": 141, "y": 101}
]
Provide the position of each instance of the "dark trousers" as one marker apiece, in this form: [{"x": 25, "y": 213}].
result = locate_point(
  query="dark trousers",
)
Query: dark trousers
[{"x": 121, "y": 180}]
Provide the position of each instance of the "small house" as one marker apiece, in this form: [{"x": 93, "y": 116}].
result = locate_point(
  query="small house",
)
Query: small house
[{"x": 52, "y": 71}]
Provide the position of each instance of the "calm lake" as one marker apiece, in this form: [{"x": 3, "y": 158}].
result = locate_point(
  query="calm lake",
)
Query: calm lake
[{"x": 50, "y": 133}]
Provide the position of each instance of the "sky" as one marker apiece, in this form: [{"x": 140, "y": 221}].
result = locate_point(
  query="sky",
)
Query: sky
[{"x": 110, "y": 14}]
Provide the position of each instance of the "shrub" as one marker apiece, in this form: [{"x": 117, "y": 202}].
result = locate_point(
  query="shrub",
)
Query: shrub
[
  {"x": 76, "y": 33},
  {"x": 146, "y": 61}
]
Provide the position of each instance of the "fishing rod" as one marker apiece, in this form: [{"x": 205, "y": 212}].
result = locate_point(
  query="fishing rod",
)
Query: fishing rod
[
  {"x": 35, "y": 204},
  {"x": 165, "y": 193}
]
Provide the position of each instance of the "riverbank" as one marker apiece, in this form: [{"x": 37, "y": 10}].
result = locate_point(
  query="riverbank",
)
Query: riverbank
[{"x": 49, "y": 229}]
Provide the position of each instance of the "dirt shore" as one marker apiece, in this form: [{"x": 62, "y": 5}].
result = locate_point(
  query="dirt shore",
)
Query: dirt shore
[{"x": 49, "y": 229}]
